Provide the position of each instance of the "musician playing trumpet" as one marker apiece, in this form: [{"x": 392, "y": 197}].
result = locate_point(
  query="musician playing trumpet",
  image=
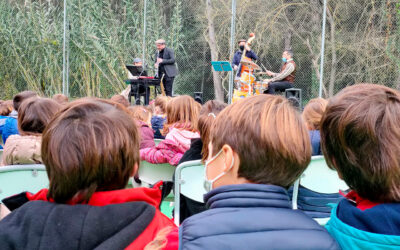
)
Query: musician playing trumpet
[
  {"x": 284, "y": 79},
  {"x": 250, "y": 55}
]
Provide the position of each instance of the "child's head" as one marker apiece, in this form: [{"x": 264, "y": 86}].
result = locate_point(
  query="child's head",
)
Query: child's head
[
  {"x": 260, "y": 139},
  {"x": 6, "y": 107},
  {"x": 141, "y": 113},
  {"x": 121, "y": 100},
  {"x": 91, "y": 145},
  {"x": 34, "y": 115},
  {"x": 313, "y": 112},
  {"x": 360, "y": 138},
  {"x": 183, "y": 110},
  {"x": 160, "y": 105},
  {"x": 207, "y": 116},
  {"x": 20, "y": 97},
  {"x": 61, "y": 99}
]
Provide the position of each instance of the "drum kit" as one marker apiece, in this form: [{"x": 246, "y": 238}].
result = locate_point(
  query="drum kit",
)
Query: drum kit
[{"x": 249, "y": 83}]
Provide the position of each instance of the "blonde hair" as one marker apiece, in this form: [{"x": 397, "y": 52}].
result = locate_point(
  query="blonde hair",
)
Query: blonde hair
[
  {"x": 313, "y": 112},
  {"x": 162, "y": 103},
  {"x": 182, "y": 111},
  {"x": 140, "y": 113}
]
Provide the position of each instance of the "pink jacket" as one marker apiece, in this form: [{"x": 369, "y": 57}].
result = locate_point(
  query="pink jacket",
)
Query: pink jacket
[
  {"x": 171, "y": 149},
  {"x": 146, "y": 135}
]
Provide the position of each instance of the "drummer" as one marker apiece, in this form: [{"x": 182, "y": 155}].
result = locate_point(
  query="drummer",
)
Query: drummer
[{"x": 250, "y": 55}]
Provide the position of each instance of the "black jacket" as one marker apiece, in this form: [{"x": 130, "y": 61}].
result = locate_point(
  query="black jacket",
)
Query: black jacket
[
  {"x": 45, "y": 225},
  {"x": 168, "y": 62}
]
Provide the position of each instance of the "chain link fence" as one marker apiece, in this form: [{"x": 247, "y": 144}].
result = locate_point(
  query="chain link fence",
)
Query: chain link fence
[{"x": 361, "y": 43}]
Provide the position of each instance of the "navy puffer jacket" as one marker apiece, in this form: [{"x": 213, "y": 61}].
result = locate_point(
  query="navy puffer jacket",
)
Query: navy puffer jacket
[{"x": 252, "y": 216}]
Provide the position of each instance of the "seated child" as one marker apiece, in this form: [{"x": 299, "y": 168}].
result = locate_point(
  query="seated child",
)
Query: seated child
[
  {"x": 5, "y": 109},
  {"x": 142, "y": 117},
  {"x": 121, "y": 100},
  {"x": 182, "y": 113},
  {"x": 312, "y": 115},
  {"x": 90, "y": 149},
  {"x": 61, "y": 99},
  {"x": 11, "y": 125},
  {"x": 199, "y": 151},
  {"x": 360, "y": 138},
  {"x": 258, "y": 147},
  {"x": 158, "y": 119},
  {"x": 33, "y": 116}
]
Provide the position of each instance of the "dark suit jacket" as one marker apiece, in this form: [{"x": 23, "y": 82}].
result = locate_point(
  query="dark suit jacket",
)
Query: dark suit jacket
[{"x": 169, "y": 62}]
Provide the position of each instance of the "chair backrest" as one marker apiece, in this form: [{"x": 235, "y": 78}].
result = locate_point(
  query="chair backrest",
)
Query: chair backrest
[
  {"x": 189, "y": 181},
  {"x": 320, "y": 178},
  {"x": 157, "y": 141},
  {"x": 152, "y": 173},
  {"x": 15, "y": 179}
]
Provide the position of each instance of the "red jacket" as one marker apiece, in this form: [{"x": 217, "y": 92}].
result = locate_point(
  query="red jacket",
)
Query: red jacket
[{"x": 143, "y": 197}]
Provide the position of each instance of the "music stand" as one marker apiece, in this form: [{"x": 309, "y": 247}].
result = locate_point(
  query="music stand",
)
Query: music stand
[
  {"x": 221, "y": 66},
  {"x": 136, "y": 70}
]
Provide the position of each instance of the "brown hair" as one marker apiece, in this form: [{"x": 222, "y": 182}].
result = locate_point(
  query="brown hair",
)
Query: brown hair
[
  {"x": 20, "y": 97},
  {"x": 140, "y": 113},
  {"x": 269, "y": 136},
  {"x": 207, "y": 116},
  {"x": 121, "y": 100},
  {"x": 61, "y": 99},
  {"x": 183, "y": 110},
  {"x": 91, "y": 145},
  {"x": 313, "y": 112},
  {"x": 360, "y": 138},
  {"x": 162, "y": 102},
  {"x": 6, "y": 107},
  {"x": 34, "y": 115}
]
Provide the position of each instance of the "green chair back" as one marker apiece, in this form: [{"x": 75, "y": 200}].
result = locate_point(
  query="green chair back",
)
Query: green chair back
[
  {"x": 189, "y": 181},
  {"x": 20, "y": 178},
  {"x": 152, "y": 173},
  {"x": 318, "y": 177}
]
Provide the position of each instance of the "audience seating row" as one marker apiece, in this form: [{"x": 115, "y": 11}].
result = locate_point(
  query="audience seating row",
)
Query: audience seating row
[{"x": 189, "y": 179}]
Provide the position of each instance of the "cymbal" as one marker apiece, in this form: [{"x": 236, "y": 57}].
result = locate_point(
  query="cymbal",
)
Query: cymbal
[{"x": 250, "y": 64}]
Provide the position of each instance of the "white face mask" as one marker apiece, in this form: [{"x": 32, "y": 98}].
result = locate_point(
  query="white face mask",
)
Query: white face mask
[{"x": 208, "y": 184}]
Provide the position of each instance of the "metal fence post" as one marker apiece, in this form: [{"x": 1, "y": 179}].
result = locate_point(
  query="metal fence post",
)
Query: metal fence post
[
  {"x": 65, "y": 62},
  {"x": 322, "y": 50},
  {"x": 231, "y": 48},
  {"x": 144, "y": 31}
]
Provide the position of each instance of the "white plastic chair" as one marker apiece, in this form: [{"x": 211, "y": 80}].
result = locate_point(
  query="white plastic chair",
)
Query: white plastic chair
[
  {"x": 318, "y": 177},
  {"x": 15, "y": 179},
  {"x": 152, "y": 173},
  {"x": 189, "y": 181}
]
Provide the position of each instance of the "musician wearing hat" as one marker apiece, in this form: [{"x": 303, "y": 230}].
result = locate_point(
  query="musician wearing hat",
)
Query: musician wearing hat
[
  {"x": 165, "y": 65},
  {"x": 250, "y": 55},
  {"x": 138, "y": 63},
  {"x": 284, "y": 79}
]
